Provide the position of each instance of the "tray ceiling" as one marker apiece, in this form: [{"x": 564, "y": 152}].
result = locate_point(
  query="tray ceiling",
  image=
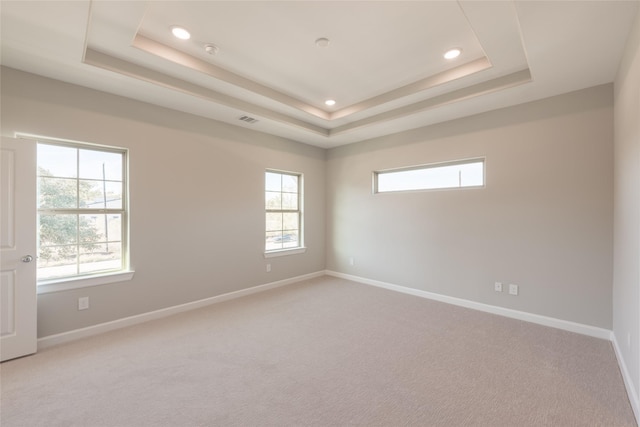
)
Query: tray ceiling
[{"x": 383, "y": 62}]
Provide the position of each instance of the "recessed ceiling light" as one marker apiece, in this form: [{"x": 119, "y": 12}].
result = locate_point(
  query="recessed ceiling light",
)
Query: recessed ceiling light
[
  {"x": 330, "y": 102},
  {"x": 180, "y": 33},
  {"x": 453, "y": 53},
  {"x": 322, "y": 42}
]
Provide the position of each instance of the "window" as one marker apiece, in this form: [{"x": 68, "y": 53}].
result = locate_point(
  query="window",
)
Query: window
[
  {"x": 283, "y": 201},
  {"x": 82, "y": 210},
  {"x": 464, "y": 173}
]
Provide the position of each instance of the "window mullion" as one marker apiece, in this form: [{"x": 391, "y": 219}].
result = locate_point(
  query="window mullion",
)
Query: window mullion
[
  {"x": 77, "y": 214},
  {"x": 77, "y": 243},
  {"x": 77, "y": 179},
  {"x": 81, "y": 211},
  {"x": 283, "y": 210}
]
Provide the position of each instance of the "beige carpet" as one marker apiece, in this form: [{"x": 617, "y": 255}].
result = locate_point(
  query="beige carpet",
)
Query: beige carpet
[{"x": 325, "y": 352}]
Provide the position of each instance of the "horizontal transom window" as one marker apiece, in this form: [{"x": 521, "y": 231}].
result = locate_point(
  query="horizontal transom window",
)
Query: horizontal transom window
[{"x": 456, "y": 174}]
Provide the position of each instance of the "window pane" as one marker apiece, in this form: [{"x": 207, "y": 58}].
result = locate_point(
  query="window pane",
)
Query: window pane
[
  {"x": 100, "y": 257},
  {"x": 273, "y": 200},
  {"x": 92, "y": 228},
  {"x": 290, "y": 183},
  {"x": 290, "y": 221},
  {"x": 100, "y": 228},
  {"x": 100, "y": 165},
  {"x": 58, "y": 229},
  {"x": 441, "y": 177},
  {"x": 114, "y": 228},
  {"x": 432, "y": 177},
  {"x": 114, "y": 194},
  {"x": 289, "y": 201},
  {"x": 274, "y": 221},
  {"x": 57, "y": 261},
  {"x": 273, "y": 240},
  {"x": 273, "y": 181},
  {"x": 55, "y": 160},
  {"x": 57, "y": 193},
  {"x": 91, "y": 195},
  {"x": 472, "y": 174},
  {"x": 290, "y": 239}
]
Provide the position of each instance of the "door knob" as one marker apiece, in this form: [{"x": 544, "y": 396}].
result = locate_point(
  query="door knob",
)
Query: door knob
[{"x": 27, "y": 258}]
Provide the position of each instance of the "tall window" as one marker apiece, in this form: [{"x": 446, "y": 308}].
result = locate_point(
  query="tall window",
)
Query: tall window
[
  {"x": 283, "y": 200},
  {"x": 457, "y": 174},
  {"x": 82, "y": 210}
]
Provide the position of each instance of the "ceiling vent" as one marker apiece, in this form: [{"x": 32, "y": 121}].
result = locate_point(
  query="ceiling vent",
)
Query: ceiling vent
[{"x": 248, "y": 119}]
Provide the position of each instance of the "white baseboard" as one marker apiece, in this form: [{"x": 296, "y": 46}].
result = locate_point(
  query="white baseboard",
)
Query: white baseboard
[
  {"x": 592, "y": 331},
  {"x": 566, "y": 325},
  {"x": 579, "y": 328},
  {"x": 76, "y": 334},
  {"x": 631, "y": 391}
]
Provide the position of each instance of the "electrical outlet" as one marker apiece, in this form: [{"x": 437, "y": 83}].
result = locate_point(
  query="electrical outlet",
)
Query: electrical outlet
[
  {"x": 513, "y": 289},
  {"x": 268, "y": 268},
  {"x": 497, "y": 286},
  {"x": 83, "y": 303},
  {"x": 352, "y": 261}
]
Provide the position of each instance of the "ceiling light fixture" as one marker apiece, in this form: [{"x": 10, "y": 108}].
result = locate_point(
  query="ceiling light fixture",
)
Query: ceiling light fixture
[
  {"x": 452, "y": 53},
  {"x": 322, "y": 42},
  {"x": 211, "y": 48},
  {"x": 180, "y": 33},
  {"x": 330, "y": 102}
]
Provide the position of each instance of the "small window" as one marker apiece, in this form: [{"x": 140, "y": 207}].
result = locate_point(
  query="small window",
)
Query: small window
[
  {"x": 465, "y": 173},
  {"x": 82, "y": 210},
  {"x": 283, "y": 201}
]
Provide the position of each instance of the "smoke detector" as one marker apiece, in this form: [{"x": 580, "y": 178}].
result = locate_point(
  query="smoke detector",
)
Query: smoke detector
[{"x": 211, "y": 48}]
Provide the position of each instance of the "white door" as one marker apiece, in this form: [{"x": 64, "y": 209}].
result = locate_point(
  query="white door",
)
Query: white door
[{"x": 18, "y": 299}]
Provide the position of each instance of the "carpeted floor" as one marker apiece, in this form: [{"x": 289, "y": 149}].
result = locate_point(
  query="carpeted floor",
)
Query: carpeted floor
[{"x": 325, "y": 352}]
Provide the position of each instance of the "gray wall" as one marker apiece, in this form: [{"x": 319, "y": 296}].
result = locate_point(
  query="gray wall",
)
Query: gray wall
[
  {"x": 197, "y": 198},
  {"x": 544, "y": 220},
  {"x": 626, "y": 283}
]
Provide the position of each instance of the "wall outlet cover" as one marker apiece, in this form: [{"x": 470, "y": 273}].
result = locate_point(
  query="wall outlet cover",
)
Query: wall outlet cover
[
  {"x": 513, "y": 289},
  {"x": 83, "y": 303}
]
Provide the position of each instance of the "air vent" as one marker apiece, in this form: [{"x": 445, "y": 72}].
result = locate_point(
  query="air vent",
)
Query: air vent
[{"x": 248, "y": 119}]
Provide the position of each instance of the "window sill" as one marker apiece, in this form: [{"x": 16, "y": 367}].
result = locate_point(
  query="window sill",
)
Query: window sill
[
  {"x": 57, "y": 285},
  {"x": 284, "y": 252}
]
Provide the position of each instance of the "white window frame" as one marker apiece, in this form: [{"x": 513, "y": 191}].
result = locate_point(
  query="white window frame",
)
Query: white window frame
[
  {"x": 482, "y": 160},
  {"x": 301, "y": 247},
  {"x": 124, "y": 273}
]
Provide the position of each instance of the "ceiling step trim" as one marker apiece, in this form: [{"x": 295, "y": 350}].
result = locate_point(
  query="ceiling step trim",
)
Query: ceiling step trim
[
  {"x": 174, "y": 55},
  {"x": 484, "y": 88},
  {"x": 111, "y": 63}
]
